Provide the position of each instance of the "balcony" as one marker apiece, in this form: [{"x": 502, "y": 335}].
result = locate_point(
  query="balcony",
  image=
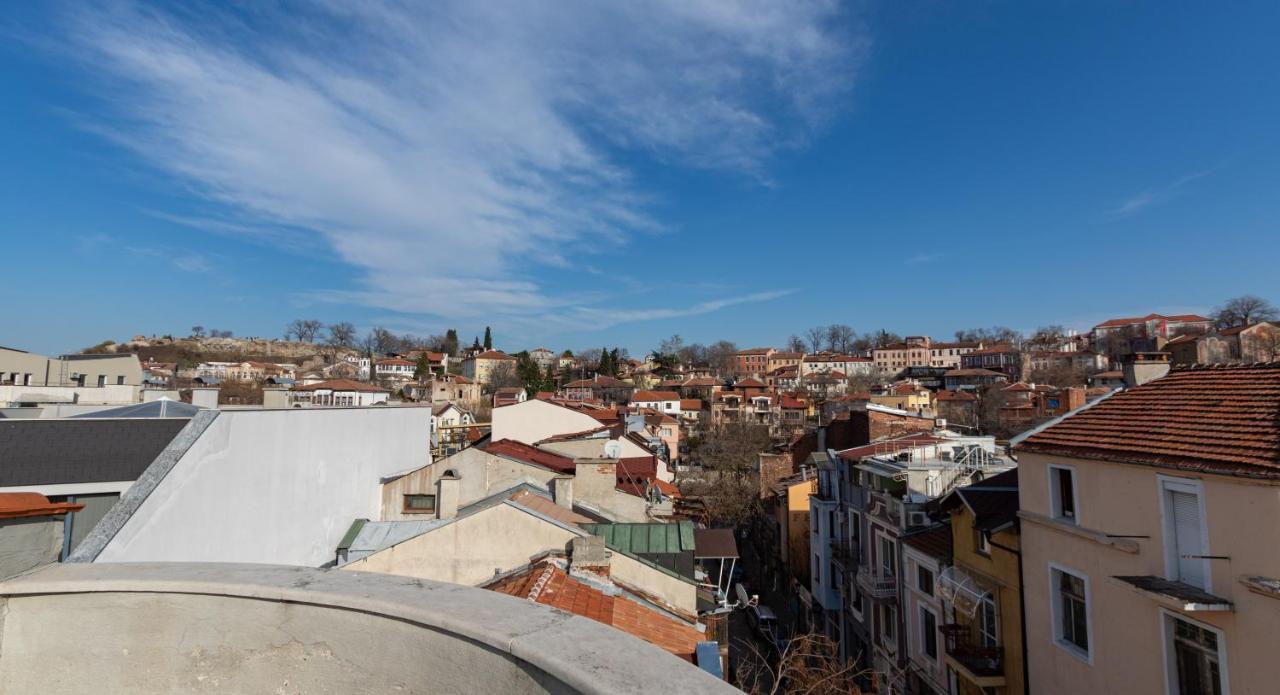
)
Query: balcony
[
  {"x": 844, "y": 553},
  {"x": 983, "y": 666},
  {"x": 183, "y": 627},
  {"x": 877, "y": 584}
]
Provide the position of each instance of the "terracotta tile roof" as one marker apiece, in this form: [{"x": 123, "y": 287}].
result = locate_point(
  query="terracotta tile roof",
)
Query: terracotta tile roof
[
  {"x": 701, "y": 381},
  {"x": 995, "y": 350},
  {"x": 633, "y": 473},
  {"x": 1216, "y": 419},
  {"x": 341, "y": 385},
  {"x": 754, "y": 351},
  {"x": 749, "y": 382},
  {"x": 792, "y": 402},
  {"x": 1113, "y": 323},
  {"x": 956, "y": 396},
  {"x": 690, "y": 404},
  {"x": 395, "y": 361},
  {"x": 548, "y": 584},
  {"x": 493, "y": 355},
  {"x": 549, "y": 508},
  {"x": 17, "y": 505},
  {"x": 1116, "y": 374},
  {"x": 787, "y": 356},
  {"x": 650, "y": 396}
]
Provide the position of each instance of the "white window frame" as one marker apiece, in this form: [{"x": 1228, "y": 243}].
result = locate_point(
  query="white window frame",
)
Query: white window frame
[
  {"x": 1055, "y": 611},
  {"x": 1191, "y": 486},
  {"x": 1055, "y": 499},
  {"x": 1165, "y": 627}
]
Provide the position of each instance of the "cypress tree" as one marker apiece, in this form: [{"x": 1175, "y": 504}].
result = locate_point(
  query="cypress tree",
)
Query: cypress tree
[{"x": 488, "y": 339}]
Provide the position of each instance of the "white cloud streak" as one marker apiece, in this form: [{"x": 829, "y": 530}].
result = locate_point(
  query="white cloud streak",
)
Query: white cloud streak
[
  {"x": 445, "y": 148},
  {"x": 1147, "y": 199}
]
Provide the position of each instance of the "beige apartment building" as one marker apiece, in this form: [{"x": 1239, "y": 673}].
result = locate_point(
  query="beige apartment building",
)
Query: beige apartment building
[
  {"x": 22, "y": 368},
  {"x": 480, "y": 368},
  {"x": 921, "y": 351},
  {"x": 1149, "y": 524}
]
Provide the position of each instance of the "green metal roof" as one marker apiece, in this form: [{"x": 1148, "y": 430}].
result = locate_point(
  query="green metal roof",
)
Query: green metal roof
[
  {"x": 350, "y": 537},
  {"x": 645, "y": 539}
]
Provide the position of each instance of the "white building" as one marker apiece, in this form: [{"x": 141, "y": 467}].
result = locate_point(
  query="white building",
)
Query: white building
[{"x": 339, "y": 392}]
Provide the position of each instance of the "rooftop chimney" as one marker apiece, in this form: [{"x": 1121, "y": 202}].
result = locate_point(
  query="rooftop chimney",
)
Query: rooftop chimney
[
  {"x": 587, "y": 554},
  {"x": 204, "y": 397},
  {"x": 562, "y": 491},
  {"x": 1141, "y": 367},
  {"x": 447, "y": 496},
  {"x": 594, "y": 481}
]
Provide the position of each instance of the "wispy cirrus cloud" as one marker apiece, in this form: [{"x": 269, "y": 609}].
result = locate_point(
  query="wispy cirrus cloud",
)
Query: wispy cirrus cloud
[
  {"x": 1146, "y": 199},
  {"x": 455, "y": 151}
]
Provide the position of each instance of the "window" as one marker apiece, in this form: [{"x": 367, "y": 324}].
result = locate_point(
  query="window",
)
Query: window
[
  {"x": 1185, "y": 543},
  {"x": 817, "y": 568},
  {"x": 888, "y": 561},
  {"x": 988, "y": 628},
  {"x": 1070, "y": 608},
  {"x": 981, "y": 543},
  {"x": 924, "y": 580},
  {"x": 102, "y": 380},
  {"x": 419, "y": 504},
  {"x": 888, "y": 623},
  {"x": 1062, "y": 493},
  {"x": 119, "y": 381},
  {"x": 1194, "y": 656},
  {"x": 928, "y": 633}
]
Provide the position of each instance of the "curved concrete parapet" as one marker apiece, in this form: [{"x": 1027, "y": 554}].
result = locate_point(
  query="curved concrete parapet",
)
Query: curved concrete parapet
[{"x": 179, "y": 627}]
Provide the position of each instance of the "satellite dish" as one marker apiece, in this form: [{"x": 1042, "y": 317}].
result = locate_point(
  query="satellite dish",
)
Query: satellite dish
[{"x": 613, "y": 449}]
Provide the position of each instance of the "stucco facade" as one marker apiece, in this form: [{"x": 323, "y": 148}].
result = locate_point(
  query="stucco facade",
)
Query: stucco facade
[{"x": 1119, "y": 530}]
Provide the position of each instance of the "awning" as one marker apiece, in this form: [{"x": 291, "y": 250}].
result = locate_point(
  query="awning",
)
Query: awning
[{"x": 961, "y": 590}]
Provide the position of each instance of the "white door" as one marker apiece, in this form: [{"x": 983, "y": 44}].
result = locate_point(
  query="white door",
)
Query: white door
[{"x": 1187, "y": 541}]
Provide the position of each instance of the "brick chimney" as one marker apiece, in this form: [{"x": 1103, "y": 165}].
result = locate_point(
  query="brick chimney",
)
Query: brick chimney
[{"x": 1141, "y": 367}]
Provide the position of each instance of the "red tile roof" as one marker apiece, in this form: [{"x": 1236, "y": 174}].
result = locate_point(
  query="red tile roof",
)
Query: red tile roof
[
  {"x": 632, "y": 473},
  {"x": 749, "y": 382},
  {"x": 550, "y": 585},
  {"x": 395, "y": 361},
  {"x": 690, "y": 404},
  {"x": 1216, "y": 419},
  {"x": 341, "y": 385},
  {"x": 17, "y": 505},
  {"x": 1112, "y": 323},
  {"x": 955, "y": 396},
  {"x": 493, "y": 355},
  {"x": 701, "y": 381},
  {"x": 651, "y": 396}
]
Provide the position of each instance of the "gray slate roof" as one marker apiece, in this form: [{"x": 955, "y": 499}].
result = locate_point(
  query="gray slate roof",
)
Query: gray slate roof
[
  {"x": 163, "y": 407},
  {"x": 48, "y": 452}
]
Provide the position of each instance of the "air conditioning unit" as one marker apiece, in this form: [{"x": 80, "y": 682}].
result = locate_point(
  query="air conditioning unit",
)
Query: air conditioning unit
[{"x": 917, "y": 519}]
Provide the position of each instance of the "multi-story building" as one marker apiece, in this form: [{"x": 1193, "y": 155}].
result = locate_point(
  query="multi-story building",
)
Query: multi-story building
[
  {"x": 480, "y": 367},
  {"x": 1144, "y": 333},
  {"x": 1148, "y": 564},
  {"x": 980, "y": 623},
  {"x": 22, "y": 368},
  {"x": 753, "y": 362},
  {"x": 778, "y": 360},
  {"x": 1259, "y": 342},
  {"x": 947, "y": 355},
  {"x": 833, "y": 362},
  {"x": 394, "y": 368},
  {"x": 1005, "y": 359},
  {"x": 543, "y": 357},
  {"x": 869, "y": 498},
  {"x": 921, "y": 351},
  {"x": 1079, "y": 361}
]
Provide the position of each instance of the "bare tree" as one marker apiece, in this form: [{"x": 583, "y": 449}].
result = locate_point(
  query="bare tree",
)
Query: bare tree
[
  {"x": 504, "y": 376},
  {"x": 309, "y": 330},
  {"x": 197, "y": 331},
  {"x": 808, "y": 663},
  {"x": 994, "y": 334},
  {"x": 342, "y": 334},
  {"x": 720, "y": 356},
  {"x": 1244, "y": 311},
  {"x": 671, "y": 346},
  {"x": 729, "y": 488},
  {"x": 883, "y": 338},
  {"x": 816, "y": 337},
  {"x": 795, "y": 344},
  {"x": 1048, "y": 336},
  {"x": 840, "y": 338}
]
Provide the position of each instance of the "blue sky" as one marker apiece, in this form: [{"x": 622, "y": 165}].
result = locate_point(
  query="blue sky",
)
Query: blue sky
[{"x": 586, "y": 174}]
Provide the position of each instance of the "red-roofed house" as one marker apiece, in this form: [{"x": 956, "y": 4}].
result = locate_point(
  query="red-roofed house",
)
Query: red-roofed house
[
  {"x": 666, "y": 402},
  {"x": 480, "y": 367},
  {"x": 1145, "y": 333},
  {"x": 753, "y": 361},
  {"x": 1146, "y": 525}
]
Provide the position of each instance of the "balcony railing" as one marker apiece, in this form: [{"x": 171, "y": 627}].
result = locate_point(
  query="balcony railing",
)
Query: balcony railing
[
  {"x": 877, "y": 584},
  {"x": 981, "y": 663},
  {"x": 844, "y": 552}
]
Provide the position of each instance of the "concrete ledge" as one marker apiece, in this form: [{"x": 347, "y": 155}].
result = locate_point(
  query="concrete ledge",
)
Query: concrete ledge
[{"x": 546, "y": 650}]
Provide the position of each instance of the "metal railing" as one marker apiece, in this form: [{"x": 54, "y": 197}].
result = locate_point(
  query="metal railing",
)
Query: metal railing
[
  {"x": 877, "y": 584},
  {"x": 968, "y": 650}
]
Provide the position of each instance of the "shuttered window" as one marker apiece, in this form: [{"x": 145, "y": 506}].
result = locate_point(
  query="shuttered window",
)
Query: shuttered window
[{"x": 1187, "y": 542}]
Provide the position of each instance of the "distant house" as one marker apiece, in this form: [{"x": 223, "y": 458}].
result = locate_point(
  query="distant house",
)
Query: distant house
[
  {"x": 752, "y": 362},
  {"x": 971, "y": 379},
  {"x": 665, "y": 402},
  {"x": 1259, "y": 342},
  {"x": 998, "y": 358},
  {"x": 395, "y": 369},
  {"x": 1081, "y": 361},
  {"x": 1145, "y": 333},
  {"x": 339, "y": 392},
  {"x": 509, "y": 395},
  {"x": 542, "y": 357},
  {"x": 604, "y": 389},
  {"x": 480, "y": 367},
  {"x": 833, "y": 362}
]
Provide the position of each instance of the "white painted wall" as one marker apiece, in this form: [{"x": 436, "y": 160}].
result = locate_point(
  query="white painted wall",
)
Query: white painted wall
[
  {"x": 273, "y": 486},
  {"x": 533, "y": 421},
  {"x": 111, "y": 394}
]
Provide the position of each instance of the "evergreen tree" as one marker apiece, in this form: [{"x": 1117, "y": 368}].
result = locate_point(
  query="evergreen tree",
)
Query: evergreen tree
[
  {"x": 424, "y": 367},
  {"x": 604, "y": 367},
  {"x": 476, "y": 345},
  {"x": 614, "y": 365},
  {"x": 451, "y": 342},
  {"x": 488, "y": 339}
]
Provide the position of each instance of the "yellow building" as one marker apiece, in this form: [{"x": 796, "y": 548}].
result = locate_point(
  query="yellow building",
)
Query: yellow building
[
  {"x": 908, "y": 397},
  {"x": 792, "y": 517},
  {"x": 982, "y": 590}
]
